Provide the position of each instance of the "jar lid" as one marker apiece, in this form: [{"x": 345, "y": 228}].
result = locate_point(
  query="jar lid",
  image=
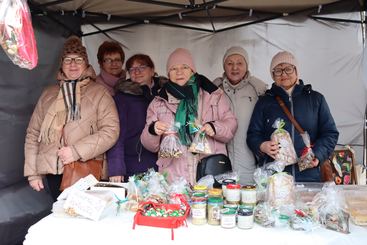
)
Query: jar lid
[
  {"x": 200, "y": 188},
  {"x": 215, "y": 192},
  {"x": 198, "y": 194},
  {"x": 215, "y": 200},
  {"x": 198, "y": 199},
  {"x": 249, "y": 187},
  {"x": 245, "y": 211},
  {"x": 231, "y": 206},
  {"x": 233, "y": 186},
  {"x": 228, "y": 181},
  {"x": 227, "y": 211}
]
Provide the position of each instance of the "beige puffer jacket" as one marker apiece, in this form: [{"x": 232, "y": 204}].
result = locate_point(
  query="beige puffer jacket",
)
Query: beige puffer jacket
[{"x": 90, "y": 137}]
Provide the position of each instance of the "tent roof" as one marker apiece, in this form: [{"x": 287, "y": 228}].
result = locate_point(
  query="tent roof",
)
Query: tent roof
[
  {"x": 177, "y": 12},
  {"x": 138, "y": 8}
]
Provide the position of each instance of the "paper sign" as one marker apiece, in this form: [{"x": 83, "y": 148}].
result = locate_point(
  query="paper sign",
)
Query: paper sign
[{"x": 85, "y": 204}]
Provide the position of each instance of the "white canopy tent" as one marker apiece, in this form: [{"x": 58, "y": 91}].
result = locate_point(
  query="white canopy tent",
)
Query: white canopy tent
[
  {"x": 330, "y": 53},
  {"x": 325, "y": 35}
]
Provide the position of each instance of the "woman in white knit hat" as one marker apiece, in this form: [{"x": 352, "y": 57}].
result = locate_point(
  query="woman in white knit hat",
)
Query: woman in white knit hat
[
  {"x": 307, "y": 106},
  {"x": 243, "y": 91}
]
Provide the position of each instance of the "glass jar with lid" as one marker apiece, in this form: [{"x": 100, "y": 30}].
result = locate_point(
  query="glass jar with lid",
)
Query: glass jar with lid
[
  {"x": 198, "y": 209},
  {"x": 248, "y": 195},
  {"x": 233, "y": 195},
  {"x": 228, "y": 218},
  {"x": 245, "y": 218},
  {"x": 215, "y": 204}
]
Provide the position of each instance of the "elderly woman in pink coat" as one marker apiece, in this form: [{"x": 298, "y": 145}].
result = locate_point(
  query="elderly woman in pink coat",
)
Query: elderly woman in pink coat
[{"x": 188, "y": 99}]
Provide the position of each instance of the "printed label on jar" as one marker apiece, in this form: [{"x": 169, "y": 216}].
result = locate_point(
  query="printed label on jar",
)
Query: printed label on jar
[
  {"x": 198, "y": 213},
  {"x": 228, "y": 221}
]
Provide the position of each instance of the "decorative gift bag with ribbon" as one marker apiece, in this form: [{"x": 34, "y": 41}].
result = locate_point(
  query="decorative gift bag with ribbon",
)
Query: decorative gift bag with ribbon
[{"x": 16, "y": 33}]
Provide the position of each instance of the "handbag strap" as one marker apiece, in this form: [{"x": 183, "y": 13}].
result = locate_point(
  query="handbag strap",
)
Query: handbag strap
[{"x": 289, "y": 115}]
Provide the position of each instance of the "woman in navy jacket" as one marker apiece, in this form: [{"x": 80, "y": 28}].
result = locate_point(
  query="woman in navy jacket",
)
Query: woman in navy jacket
[{"x": 308, "y": 107}]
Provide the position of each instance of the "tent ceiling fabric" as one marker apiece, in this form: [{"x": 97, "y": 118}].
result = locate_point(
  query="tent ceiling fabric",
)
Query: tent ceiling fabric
[{"x": 141, "y": 8}]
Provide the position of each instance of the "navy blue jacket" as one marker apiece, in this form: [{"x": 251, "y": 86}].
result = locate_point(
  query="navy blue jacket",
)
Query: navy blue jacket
[{"x": 310, "y": 110}]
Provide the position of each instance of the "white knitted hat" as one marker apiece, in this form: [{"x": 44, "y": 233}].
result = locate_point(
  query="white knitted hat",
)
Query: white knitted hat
[
  {"x": 236, "y": 50},
  {"x": 283, "y": 57}
]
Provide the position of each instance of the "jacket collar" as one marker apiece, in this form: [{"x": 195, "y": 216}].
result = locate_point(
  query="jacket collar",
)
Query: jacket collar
[
  {"x": 228, "y": 85},
  {"x": 299, "y": 88}
]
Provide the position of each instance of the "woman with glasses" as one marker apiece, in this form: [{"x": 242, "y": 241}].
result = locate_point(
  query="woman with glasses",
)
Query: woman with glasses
[
  {"x": 307, "y": 106},
  {"x": 128, "y": 157},
  {"x": 75, "y": 119},
  {"x": 190, "y": 102},
  {"x": 242, "y": 90},
  {"x": 111, "y": 59}
]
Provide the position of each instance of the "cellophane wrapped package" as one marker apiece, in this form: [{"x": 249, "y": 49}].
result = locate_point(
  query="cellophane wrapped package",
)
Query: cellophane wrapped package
[
  {"x": 286, "y": 153},
  {"x": 307, "y": 154},
  {"x": 16, "y": 33},
  {"x": 170, "y": 146}
]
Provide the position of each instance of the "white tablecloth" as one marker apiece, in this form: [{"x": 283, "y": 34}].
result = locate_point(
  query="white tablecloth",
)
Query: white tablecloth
[{"x": 117, "y": 229}]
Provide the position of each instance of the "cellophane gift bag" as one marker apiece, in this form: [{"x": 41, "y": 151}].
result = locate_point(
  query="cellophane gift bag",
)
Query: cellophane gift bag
[
  {"x": 307, "y": 155},
  {"x": 200, "y": 144},
  {"x": 170, "y": 146},
  {"x": 287, "y": 153},
  {"x": 16, "y": 33}
]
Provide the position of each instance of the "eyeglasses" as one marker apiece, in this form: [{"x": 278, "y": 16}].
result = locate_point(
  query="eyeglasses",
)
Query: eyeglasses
[
  {"x": 183, "y": 68},
  {"x": 110, "y": 61},
  {"x": 77, "y": 60},
  {"x": 279, "y": 71},
  {"x": 137, "y": 68}
]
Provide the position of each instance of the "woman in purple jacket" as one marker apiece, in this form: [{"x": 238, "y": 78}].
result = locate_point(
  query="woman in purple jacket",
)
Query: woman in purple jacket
[{"x": 128, "y": 156}]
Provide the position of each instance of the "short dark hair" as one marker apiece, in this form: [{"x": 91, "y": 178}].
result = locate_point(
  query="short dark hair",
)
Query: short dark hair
[
  {"x": 109, "y": 47},
  {"x": 141, "y": 58}
]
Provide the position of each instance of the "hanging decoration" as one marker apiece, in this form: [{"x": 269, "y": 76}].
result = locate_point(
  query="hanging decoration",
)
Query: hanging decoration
[{"x": 16, "y": 33}]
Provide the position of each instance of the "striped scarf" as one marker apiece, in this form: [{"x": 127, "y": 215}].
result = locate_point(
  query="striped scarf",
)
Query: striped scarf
[{"x": 65, "y": 108}]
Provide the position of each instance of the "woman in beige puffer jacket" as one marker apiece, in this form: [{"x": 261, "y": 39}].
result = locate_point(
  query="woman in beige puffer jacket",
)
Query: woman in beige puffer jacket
[{"x": 75, "y": 119}]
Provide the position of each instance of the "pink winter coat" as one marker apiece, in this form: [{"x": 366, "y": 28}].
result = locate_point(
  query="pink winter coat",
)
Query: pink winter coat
[{"x": 213, "y": 108}]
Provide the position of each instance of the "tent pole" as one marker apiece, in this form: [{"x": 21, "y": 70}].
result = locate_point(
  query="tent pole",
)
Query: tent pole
[{"x": 365, "y": 138}]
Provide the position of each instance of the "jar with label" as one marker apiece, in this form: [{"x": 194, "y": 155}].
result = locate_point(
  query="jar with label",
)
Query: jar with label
[
  {"x": 245, "y": 218},
  {"x": 225, "y": 182},
  {"x": 233, "y": 195},
  {"x": 198, "y": 209},
  {"x": 228, "y": 218},
  {"x": 248, "y": 195},
  {"x": 215, "y": 204}
]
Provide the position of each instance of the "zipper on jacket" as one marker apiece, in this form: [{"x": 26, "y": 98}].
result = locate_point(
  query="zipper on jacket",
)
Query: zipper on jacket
[
  {"x": 293, "y": 166},
  {"x": 139, "y": 149},
  {"x": 91, "y": 131},
  {"x": 57, "y": 165}
]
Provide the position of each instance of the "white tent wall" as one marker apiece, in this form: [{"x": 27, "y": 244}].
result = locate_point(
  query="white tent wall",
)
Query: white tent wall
[{"x": 330, "y": 56}]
